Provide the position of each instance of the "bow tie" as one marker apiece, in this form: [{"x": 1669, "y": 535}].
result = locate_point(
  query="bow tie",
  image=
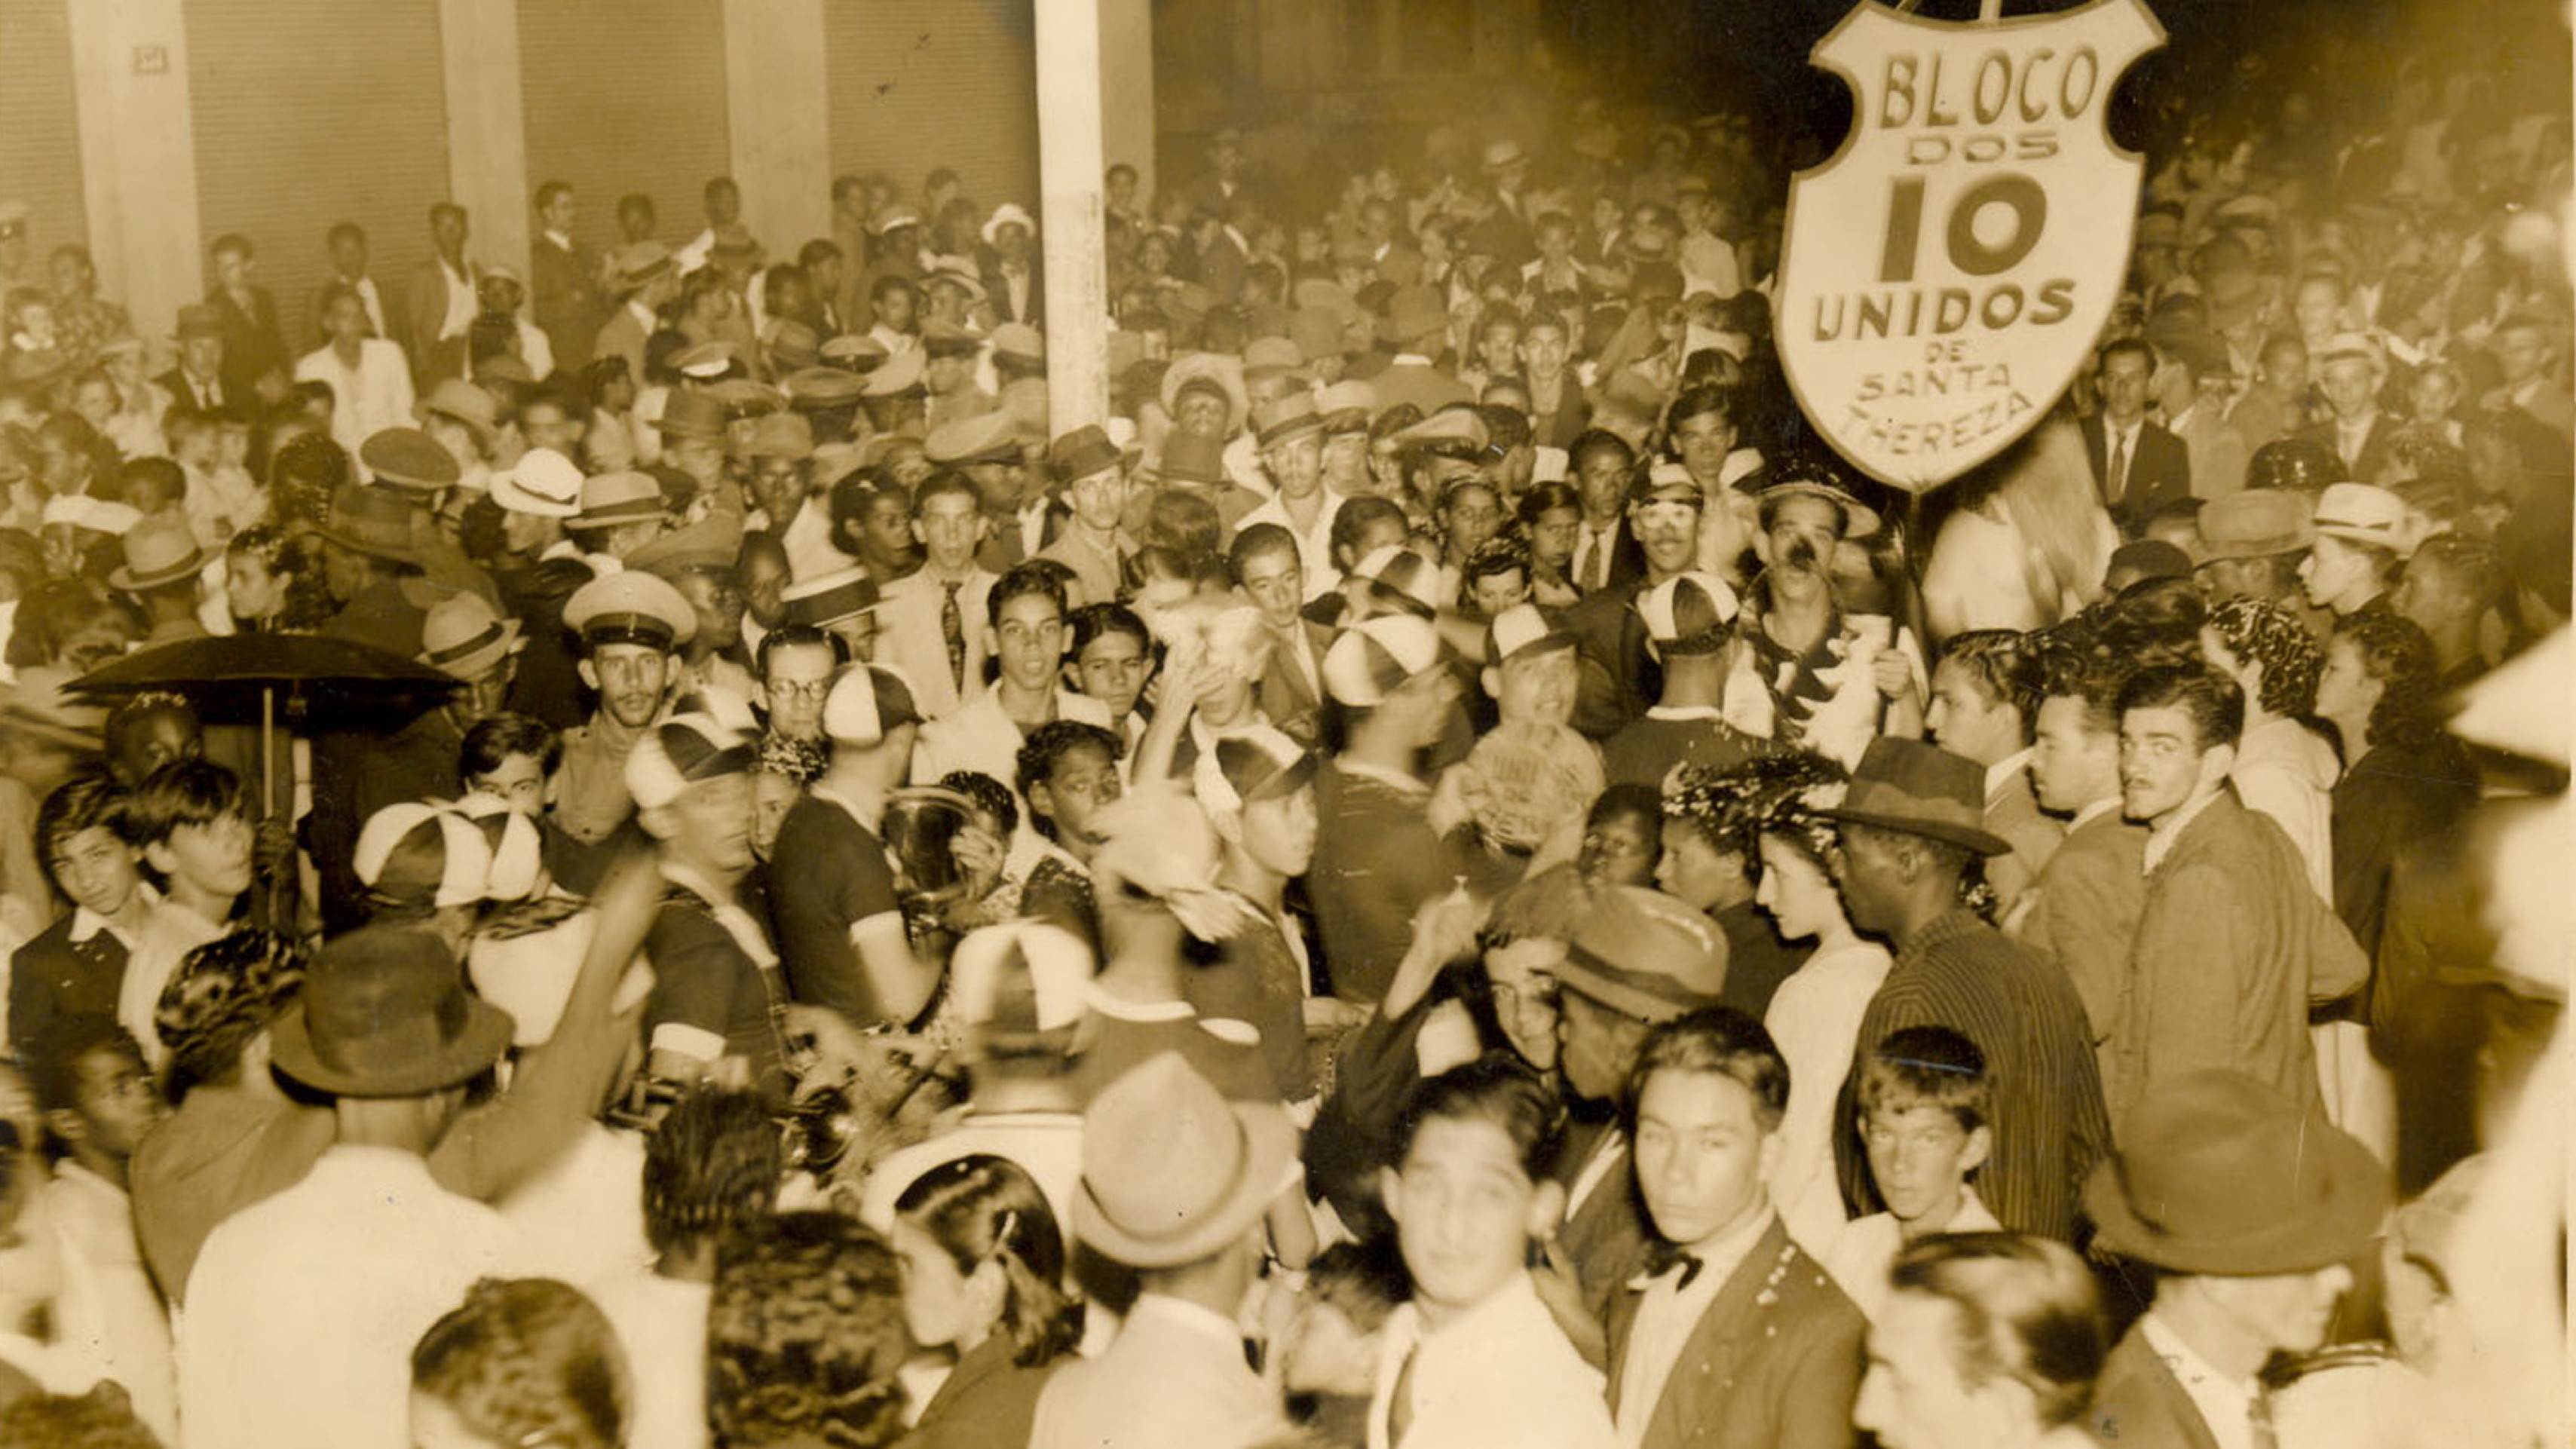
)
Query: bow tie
[{"x": 1662, "y": 1259}]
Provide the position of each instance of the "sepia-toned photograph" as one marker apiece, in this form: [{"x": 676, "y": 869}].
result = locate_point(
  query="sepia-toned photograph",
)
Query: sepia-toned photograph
[{"x": 1287, "y": 724}]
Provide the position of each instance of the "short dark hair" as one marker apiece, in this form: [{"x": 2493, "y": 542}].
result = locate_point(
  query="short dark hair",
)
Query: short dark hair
[
  {"x": 2215, "y": 704},
  {"x": 798, "y": 636},
  {"x": 1700, "y": 399},
  {"x": 495, "y": 738},
  {"x": 1356, "y": 517},
  {"x": 1362, "y": 1281},
  {"x": 235, "y": 243},
  {"x": 53, "y": 1060},
  {"x": 2132, "y": 346},
  {"x": 1494, "y": 1088},
  {"x": 1048, "y": 746},
  {"x": 2025, "y": 1308},
  {"x": 547, "y": 193},
  {"x": 1031, "y": 578},
  {"x": 1596, "y": 440},
  {"x": 990, "y": 796},
  {"x": 1093, "y": 621},
  {"x": 941, "y": 484},
  {"x": 184, "y": 792},
  {"x": 1184, "y": 522},
  {"x": 710, "y": 1168},
  {"x": 528, "y": 1361},
  {"x": 2000, "y": 662},
  {"x": 1722, "y": 1041},
  {"x": 1256, "y": 540},
  {"x": 1926, "y": 1066},
  {"x": 2091, "y": 675},
  {"x": 86, "y": 801},
  {"x": 349, "y": 229}
]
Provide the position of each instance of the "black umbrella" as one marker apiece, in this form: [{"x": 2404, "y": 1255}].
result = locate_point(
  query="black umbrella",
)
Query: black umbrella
[{"x": 221, "y": 673}]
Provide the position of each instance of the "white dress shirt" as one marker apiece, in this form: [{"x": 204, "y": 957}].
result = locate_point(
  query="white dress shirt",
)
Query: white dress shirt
[
  {"x": 1858, "y": 1258},
  {"x": 461, "y": 302},
  {"x": 1499, "y": 1375},
  {"x": 168, "y": 935},
  {"x": 1596, "y": 552},
  {"x": 2226, "y": 1405},
  {"x": 365, "y": 399},
  {"x": 109, "y": 1313},
  {"x": 303, "y": 1309},
  {"x": 662, "y": 1323},
  {"x": 1814, "y": 1018}
]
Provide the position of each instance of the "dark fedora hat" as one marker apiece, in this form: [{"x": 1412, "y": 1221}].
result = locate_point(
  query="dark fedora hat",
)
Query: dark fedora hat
[
  {"x": 385, "y": 1013},
  {"x": 1920, "y": 789},
  {"x": 375, "y": 521},
  {"x": 2218, "y": 1173}
]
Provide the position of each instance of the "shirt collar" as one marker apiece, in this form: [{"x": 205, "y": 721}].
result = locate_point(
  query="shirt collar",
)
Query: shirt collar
[
  {"x": 1395, "y": 779},
  {"x": 2099, "y": 807},
  {"x": 1180, "y": 1312},
  {"x": 858, "y": 810},
  {"x": 87, "y": 923},
  {"x": 1416, "y": 358},
  {"x": 2001, "y": 772},
  {"x": 2198, "y": 1378},
  {"x": 2160, "y": 840},
  {"x": 560, "y": 238}
]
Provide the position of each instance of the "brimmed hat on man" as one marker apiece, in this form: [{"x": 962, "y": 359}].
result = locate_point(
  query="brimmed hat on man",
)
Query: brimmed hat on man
[
  {"x": 409, "y": 459},
  {"x": 641, "y": 263},
  {"x": 1347, "y": 406},
  {"x": 1920, "y": 789},
  {"x": 543, "y": 482},
  {"x": 689, "y": 413},
  {"x": 1172, "y": 1173},
  {"x": 464, "y": 638},
  {"x": 1286, "y": 418},
  {"x": 2256, "y": 523},
  {"x": 158, "y": 552},
  {"x": 827, "y": 599},
  {"x": 1645, "y": 955},
  {"x": 1859, "y": 519},
  {"x": 2217, "y": 1173},
  {"x": 614, "y": 499},
  {"x": 2364, "y": 513},
  {"x": 1414, "y": 315},
  {"x": 629, "y": 607},
  {"x": 197, "y": 321},
  {"x": 1009, "y": 213},
  {"x": 385, "y": 1013},
  {"x": 378, "y": 522},
  {"x": 1190, "y": 458},
  {"x": 990, "y": 437},
  {"x": 1210, "y": 372},
  {"x": 1250, "y": 766},
  {"x": 463, "y": 402},
  {"x": 1083, "y": 452}
]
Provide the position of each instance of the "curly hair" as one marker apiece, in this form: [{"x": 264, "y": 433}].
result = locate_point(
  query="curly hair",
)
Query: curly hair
[
  {"x": 804, "y": 1335},
  {"x": 224, "y": 993},
  {"x": 710, "y": 1169},
  {"x": 2397, "y": 653},
  {"x": 2272, "y": 639},
  {"x": 528, "y": 1361},
  {"x": 981, "y": 1208},
  {"x": 308, "y": 602},
  {"x": 103, "y": 1418},
  {"x": 990, "y": 796}
]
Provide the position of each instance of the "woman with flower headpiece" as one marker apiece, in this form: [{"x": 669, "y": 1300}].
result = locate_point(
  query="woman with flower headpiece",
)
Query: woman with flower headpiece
[
  {"x": 1815, "y": 1015},
  {"x": 1711, "y": 819},
  {"x": 2284, "y": 768}
]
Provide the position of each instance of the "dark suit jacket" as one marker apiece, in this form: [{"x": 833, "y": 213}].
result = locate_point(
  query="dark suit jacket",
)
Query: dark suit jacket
[
  {"x": 1605, "y": 1237},
  {"x": 252, "y": 347},
  {"x": 1284, "y": 694},
  {"x": 424, "y": 308},
  {"x": 1774, "y": 1363},
  {"x": 563, "y": 298},
  {"x": 177, "y": 386},
  {"x": 53, "y": 978},
  {"x": 2139, "y": 1404},
  {"x": 1617, "y": 680},
  {"x": 1000, "y": 291},
  {"x": 2159, "y": 474},
  {"x": 2374, "y": 444},
  {"x": 1627, "y": 556},
  {"x": 1221, "y": 269}
]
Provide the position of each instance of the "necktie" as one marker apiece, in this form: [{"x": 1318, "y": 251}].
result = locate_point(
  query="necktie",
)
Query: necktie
[
  {"x": 952, "y": 632},
  {"x": 1662, "y": 1257},
  {"x": 2258, "y": 1413},
  {"x": 1597, "y": 577},
  {"x": 2119, "y": 473}
]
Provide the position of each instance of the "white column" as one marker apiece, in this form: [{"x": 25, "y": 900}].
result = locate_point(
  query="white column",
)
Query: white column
[
  {"x": 778, "y": 121},
  {"x": 487, "y": 127},
  {"x": 1069, "y": 168},
  {"x": 138, "y": 147}
]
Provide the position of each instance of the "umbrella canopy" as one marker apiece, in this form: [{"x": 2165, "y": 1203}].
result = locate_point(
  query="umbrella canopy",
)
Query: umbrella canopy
[{"x": 266, "y": 661}]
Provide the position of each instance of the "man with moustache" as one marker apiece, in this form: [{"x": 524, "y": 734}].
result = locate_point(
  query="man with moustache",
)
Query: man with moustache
[{"x": 631, "y": 625}]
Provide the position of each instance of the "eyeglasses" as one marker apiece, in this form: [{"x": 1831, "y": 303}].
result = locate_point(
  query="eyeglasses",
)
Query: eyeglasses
[{"x": 801, "y": 688}]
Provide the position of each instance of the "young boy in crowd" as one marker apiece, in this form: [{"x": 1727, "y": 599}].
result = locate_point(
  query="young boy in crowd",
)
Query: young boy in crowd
[
  {"x": 1924, "y": 1102},
  {"x": 1476, "y": 1358},
  {"x": 193, "y": 825},
  {"x": 99, "y": 1101},
  {"x": 1068, "y": 771},
  {"x": 75, "y": 966}
]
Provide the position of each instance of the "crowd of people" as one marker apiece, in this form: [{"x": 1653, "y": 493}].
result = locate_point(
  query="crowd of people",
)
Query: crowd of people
[{"x": 1446, "y": 876}]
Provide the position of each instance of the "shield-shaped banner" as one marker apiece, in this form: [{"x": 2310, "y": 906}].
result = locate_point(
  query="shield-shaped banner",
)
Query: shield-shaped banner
[{"x": 1945, "y": 273}]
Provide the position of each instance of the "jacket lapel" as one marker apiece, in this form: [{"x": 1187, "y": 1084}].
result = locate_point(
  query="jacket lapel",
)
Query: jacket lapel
[{"x": 1714, "y": 1341}]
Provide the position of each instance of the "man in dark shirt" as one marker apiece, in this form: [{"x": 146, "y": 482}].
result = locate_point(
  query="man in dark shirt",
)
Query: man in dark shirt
[
  {"x": 1911, "y": 822},
  {"x": 716, "y": 992}
]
